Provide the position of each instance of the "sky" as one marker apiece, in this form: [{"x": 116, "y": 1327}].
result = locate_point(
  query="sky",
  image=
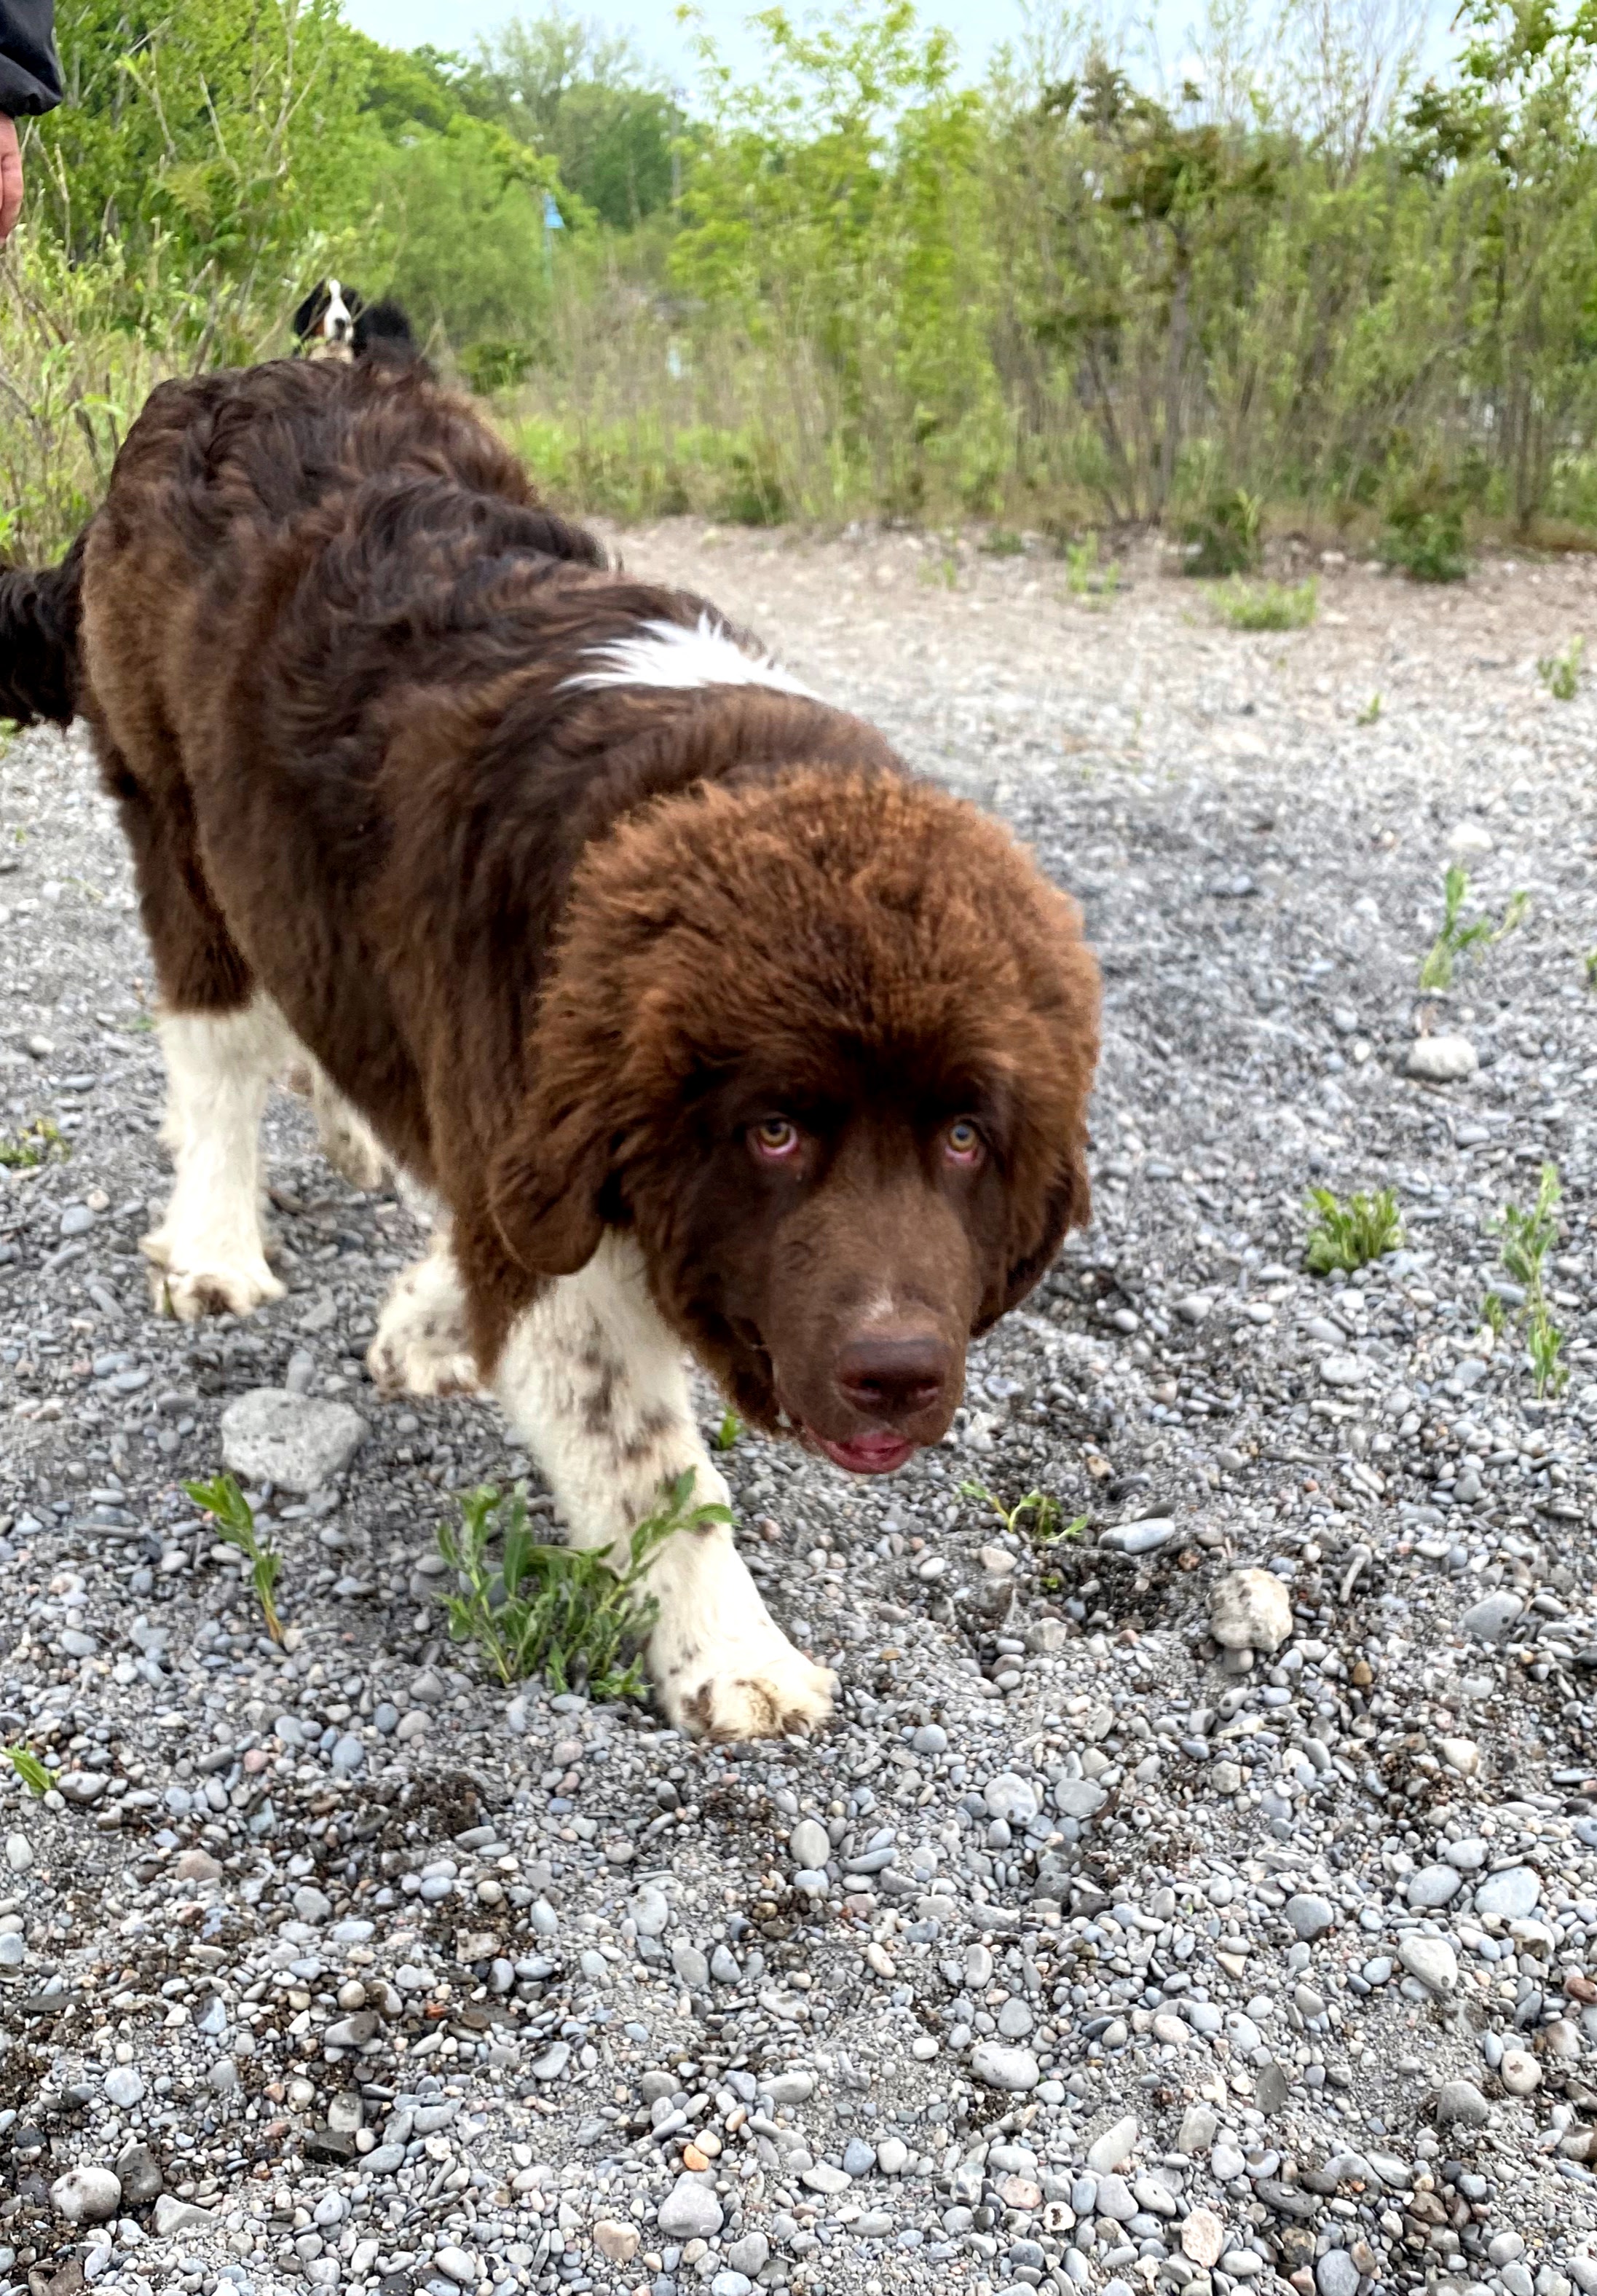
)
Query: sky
[{"x": 978, "y": 26}]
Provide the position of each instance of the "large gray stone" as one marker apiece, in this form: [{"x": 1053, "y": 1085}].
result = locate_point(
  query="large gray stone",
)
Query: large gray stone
[
  {"x": 1511, "y": 1895},
  {"x": 689, "y": 2210},
  {"x": 1005, "y": 2067},
  {"x": 87, "y": 2194},
  {"x": 1441, "y": 1060},
  {"x": 299, "y": 1442},
  {"x": 1250, "y": 1610},
  {"x": 1490, "y": 1620}
]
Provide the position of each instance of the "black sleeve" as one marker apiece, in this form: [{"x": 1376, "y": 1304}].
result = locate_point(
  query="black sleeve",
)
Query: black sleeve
[{"x": 29, "y": 73}]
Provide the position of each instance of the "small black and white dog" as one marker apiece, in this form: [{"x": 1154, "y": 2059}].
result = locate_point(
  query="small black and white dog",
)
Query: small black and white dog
[{"x": 337, "y": 322}]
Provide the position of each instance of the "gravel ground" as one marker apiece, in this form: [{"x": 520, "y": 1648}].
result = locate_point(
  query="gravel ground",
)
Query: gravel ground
[{"x": 1083, "y": 1953}]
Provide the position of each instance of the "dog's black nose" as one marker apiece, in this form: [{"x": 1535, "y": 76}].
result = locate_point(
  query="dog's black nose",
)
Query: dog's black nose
[{"x": 894, "y": 1378}]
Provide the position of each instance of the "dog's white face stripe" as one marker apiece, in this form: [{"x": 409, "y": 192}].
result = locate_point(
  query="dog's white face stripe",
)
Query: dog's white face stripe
[
  {"x": 669, "y": 654},
  {"x": 335, "y": 320}
]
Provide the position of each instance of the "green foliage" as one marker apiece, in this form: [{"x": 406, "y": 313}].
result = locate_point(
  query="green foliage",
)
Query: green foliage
[
  {"x": 38, "y": 1143},
  {"x": 1222, "y": 538},
  {"x": 29, "y": 1770},
  {"x": 1348, "y": 1235},
  {"x": 726, "y": 1434},
  {"x": 842, "y": 281},
  {"x": 235, "y": 1520},
  {"x": 584, "y": 98},
  {"x": 1267, "y": 605},
  {"x": 1428, "y": 546},
  {"x": 564, "y": 1612},
  {"x": 1528, "y": 1237},
  {"x": 1085, "y": 577},
  {"x": 1371, "y": 712},
  {"x": 1038, "y": 1515},
  {"x": 1458, "y": 939},
  {"x": 1560, "y": 673}
]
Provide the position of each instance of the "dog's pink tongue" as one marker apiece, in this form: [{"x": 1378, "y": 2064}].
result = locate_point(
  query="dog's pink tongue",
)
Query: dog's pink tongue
[{"x": 868, "y": 1454}]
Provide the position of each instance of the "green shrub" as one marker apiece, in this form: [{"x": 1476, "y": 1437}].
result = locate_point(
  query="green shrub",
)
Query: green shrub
[
  {"x": 1348, "y": 1235},
  {"x": 1222, "y": 538},
  {"x": 1267, "y": 605},
  {"x": 1427, "y": 546}
]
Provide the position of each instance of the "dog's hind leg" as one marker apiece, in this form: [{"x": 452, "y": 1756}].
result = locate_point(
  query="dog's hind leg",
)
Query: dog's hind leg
[
  {"x": 207, "y": 1256},
  {"x": 422, "y": 1346},
  {"x": 594, "y": 1381},
  {"x": 347, "y": 1139},
  {"x": 223, "y": 1041}
]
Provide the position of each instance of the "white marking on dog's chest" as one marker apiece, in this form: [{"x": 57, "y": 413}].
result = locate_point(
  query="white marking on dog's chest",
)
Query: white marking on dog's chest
[{"x": 672, "y": 654}]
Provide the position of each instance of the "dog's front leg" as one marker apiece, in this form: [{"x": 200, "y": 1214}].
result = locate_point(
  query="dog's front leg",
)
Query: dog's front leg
[{"x": 594, "y": 1383}]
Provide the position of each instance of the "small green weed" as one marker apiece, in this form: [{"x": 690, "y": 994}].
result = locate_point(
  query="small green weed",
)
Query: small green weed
[
  {"x": 1528, "y": 1237},
  {"x": 1592, "y": 968},
  {"x": 1427, "y": 546},
  {"x": 1457, "y": 939},
  {"x": 560, "y": 1611},
  {"x": 1085, "y": 577},
  {"x": 1494, "y": 1314},
  {"x": 1560, "y": 673},
  {"x": 941, "y": 572},
  {"x": 1001, "y": 542},
  {"x": 1267, "y": 605},
  {"x": 1371, "y": 711},
  {"x": 726, "y": 1434},
  {"x": 1222, "y": 538},
  {"x": 235, "y": 1520},
  {"x": 1045, "y": 1527},
  {"x": 30, "y": 1769},
  {"x": 1349, "y": 1236},
  {"x": 38, "y": 1143}
]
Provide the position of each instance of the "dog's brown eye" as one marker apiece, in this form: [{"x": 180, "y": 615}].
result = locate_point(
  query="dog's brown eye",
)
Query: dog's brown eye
[
  {"x": 775, "y": 1138},
  {"x": 962, "y": 1142}
]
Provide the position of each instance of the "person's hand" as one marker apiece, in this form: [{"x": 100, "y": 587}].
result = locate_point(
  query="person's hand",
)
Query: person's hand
[{"x": 11, "y": 177}]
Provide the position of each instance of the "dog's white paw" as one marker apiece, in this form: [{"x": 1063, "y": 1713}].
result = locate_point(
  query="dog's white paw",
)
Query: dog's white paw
[
  {"x": 191, "y": 1285},
  {"x": 722, "y": 1667},
  {"x": 736, "y": 1694},
  {"x": 354, "y": 1151},
  {"x": 421, "y": 1346}
]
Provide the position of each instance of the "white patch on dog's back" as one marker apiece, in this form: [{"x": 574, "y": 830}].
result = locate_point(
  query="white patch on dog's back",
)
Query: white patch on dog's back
[{"x": 671, "y": 654}]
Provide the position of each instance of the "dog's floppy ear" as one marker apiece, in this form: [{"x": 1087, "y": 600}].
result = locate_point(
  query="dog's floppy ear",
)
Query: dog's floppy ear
[
  {"x": 305, "y": 319},
  {"x": 1067, "y": 1204},
  {"x": 544, "y": 1186}
]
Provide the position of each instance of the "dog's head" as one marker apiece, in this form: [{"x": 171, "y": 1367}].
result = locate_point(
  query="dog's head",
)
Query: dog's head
[
  {"x": 826, "y": 1043},
  {"x": 324, "y": 325}
]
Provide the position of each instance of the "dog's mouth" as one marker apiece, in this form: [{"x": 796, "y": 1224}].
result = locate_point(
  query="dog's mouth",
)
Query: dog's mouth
[{"x": 879, "y": 1453}]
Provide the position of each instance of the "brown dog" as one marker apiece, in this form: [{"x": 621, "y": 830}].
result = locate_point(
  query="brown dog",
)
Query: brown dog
[{"x": 700, "y": 1018}]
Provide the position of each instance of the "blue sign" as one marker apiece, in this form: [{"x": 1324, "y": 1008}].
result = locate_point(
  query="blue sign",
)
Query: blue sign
[{"x": 552, "y": 219}]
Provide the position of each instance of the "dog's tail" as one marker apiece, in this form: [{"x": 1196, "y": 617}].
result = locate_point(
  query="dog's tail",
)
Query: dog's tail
[
  {"x": 39, "y": 613},
  {"x": 381, "y": 337}
]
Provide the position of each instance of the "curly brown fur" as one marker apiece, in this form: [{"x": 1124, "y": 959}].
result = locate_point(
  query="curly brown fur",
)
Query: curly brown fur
[{"x": 567, "y": 951}]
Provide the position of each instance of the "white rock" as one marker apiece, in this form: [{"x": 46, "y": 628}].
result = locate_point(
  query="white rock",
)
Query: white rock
[
  {"x": 456, "y": 2264},
  {"x": 19, "y": 1852},
  {"x": 299, "y": 1442},
  {"x": 1114, "y": 2148},
  {"x": 1203, "y": 2237},
  {"x": 809, "y": 1846},
  {"x": 1002, "y": 2067},
  {"x": 1518, "y": 2072},
  {"x": 1469, "y": 837},
  {"x": 1460, "y": 1754},
  {"x": 1430, "y": 1959},
  {"x": 1441, "y": 1060},
  {"x": 1250, "y": 1610},
  {"x": 87, "y": 2194},
  {"x": 1345, "y": 1370}
]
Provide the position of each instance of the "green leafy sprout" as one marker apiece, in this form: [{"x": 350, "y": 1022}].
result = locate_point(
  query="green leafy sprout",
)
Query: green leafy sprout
[
  {"x": 1457, "y": 939},
  {"x": 726, "y": 1434},
  {"x": 1371, "y": 711},
  {"x": 1528, "y": 1237},
  {"x": 1267, "y": 605},
  {"x": 1560, "y": 673},
  {"x": 235, "y": 1520},
  {"x": 30, "y": 1769},
  {"x": 38, "y": 1143},
  {"x": 563, "y": 1612},
  {"x": 1348, "y": 1235},
  {"x": 1037, "y": 1516},
  {"x": 1084, "y": 576}
]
